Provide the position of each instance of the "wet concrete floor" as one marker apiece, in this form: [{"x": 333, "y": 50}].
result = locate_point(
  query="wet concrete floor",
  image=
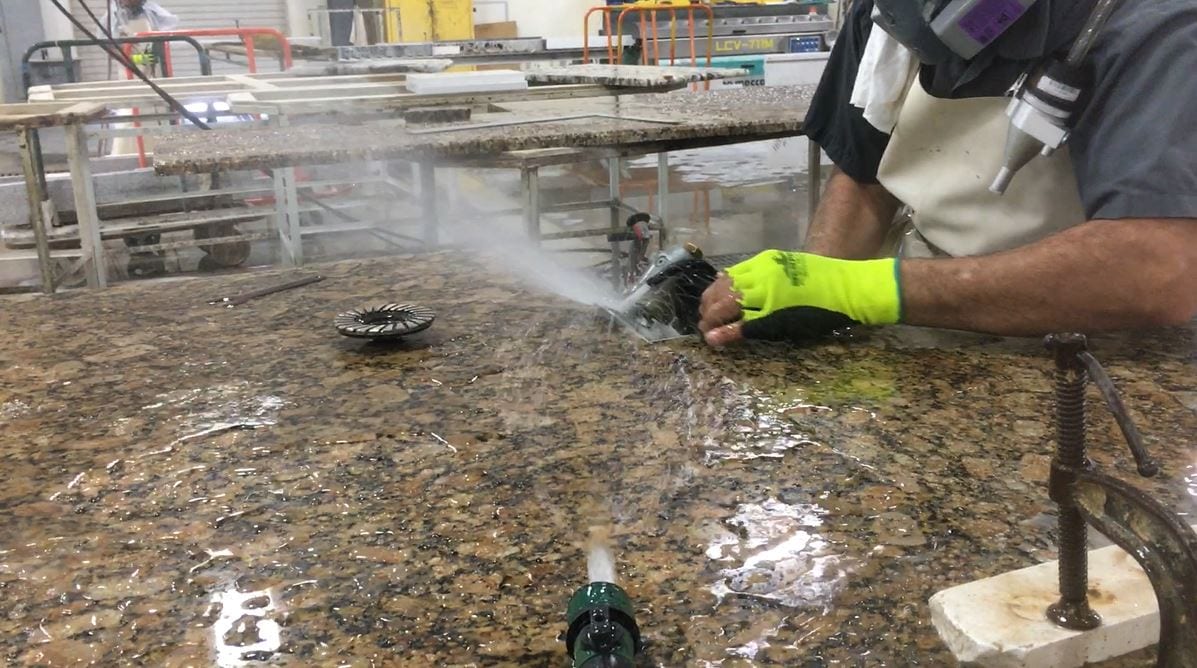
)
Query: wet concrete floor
[{"x": 184, "y": 484}]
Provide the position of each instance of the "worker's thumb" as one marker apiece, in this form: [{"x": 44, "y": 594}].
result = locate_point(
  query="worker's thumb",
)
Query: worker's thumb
[{"x": 726, "y": 335}]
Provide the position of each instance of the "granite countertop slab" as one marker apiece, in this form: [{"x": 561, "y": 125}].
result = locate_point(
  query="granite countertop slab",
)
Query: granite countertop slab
[
  {"x": 632, "y": 76},
  {"x": 379, "y": 66},
  {"x": 716, "y": 116},
  {"x": 184, "y": 484},
  {"x": 31, "y": 115}
]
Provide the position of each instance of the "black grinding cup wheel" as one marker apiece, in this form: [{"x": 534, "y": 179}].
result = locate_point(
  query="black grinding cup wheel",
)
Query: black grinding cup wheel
[{"x": 390, "y": 321}]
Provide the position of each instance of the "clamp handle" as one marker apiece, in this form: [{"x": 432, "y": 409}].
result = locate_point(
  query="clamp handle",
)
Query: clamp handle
[
  {"x": 1147, "y": 466},
  {"x": 1072, "y": 353}
]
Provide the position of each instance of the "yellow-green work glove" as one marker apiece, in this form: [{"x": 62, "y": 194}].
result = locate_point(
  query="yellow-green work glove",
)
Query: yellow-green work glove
[{"x": 800, "y": 296}]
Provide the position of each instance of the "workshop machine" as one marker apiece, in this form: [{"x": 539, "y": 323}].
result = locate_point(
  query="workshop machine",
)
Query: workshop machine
[{"x": 741, "y": 28}]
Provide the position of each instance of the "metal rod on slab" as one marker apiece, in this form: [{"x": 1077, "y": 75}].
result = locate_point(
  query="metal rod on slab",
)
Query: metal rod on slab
[{"x": 238, "y": 300}]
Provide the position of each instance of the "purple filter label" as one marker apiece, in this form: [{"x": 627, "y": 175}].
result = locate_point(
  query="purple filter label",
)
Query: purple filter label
[{"x": 990, "y": 18}]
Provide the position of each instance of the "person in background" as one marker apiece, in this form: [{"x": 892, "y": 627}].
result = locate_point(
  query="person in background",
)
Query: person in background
[
  {"x": 126, "y": 18},
  {"x": 374, "y": 16},
  {"x": 341, "y": 17},
  {"x": 340, "y": 21}
]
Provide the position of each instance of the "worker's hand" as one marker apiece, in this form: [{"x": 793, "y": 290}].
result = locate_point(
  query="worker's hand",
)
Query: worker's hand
[
  {"x": 779, "y": 295},
  {"x": 146, "y": 59},
  {"x": 719, "y": 309}
]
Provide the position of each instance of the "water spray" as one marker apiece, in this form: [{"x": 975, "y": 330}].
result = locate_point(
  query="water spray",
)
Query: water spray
[{"x": 602, "y": 623}]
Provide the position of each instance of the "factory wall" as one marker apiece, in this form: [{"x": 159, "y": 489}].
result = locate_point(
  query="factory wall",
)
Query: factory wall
[{"x": 537, "y": 18}]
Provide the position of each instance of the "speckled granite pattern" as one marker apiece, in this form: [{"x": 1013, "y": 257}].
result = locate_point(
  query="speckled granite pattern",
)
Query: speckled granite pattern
[
  {"x": 749, "y": 113},
  {"x": 633, "y": 76},
  {"x": 190, "y": 485},
  {"x": 380, "y": 66}
]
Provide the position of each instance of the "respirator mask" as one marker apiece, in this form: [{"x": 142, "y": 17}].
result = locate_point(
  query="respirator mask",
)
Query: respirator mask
[
  {"x": 1045, "y": 100},
  {"x": 937, "y": 31}
]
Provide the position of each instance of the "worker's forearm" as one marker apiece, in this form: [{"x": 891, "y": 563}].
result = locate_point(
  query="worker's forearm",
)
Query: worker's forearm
[
  {"x": 1102, "y": 275},
  {"x": 852, "y": 221}
]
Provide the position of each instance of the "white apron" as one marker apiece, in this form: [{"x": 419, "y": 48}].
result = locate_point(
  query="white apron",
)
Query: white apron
[{"x": 941, "y": 159}]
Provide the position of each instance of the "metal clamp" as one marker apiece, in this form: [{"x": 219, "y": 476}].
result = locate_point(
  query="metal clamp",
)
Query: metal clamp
[
  {"x": 1157, "y": 538},
  {"x": 1074, "y": 367}
]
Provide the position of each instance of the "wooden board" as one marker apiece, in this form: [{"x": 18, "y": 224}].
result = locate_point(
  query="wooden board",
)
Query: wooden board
[{"x": 501, "y": 30}]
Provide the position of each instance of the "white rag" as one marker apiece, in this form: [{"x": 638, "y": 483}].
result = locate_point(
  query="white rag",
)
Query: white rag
[{"x": 886, "y": 73}]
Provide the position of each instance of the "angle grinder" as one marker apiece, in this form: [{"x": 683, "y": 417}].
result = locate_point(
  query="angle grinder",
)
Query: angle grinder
[{"x": 663, "y": 304}]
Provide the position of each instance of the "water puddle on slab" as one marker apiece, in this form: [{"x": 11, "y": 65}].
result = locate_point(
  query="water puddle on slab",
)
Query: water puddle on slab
[{"x": 774, "y": 552}]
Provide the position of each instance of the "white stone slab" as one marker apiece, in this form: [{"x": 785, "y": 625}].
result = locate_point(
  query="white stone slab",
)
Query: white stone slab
[
  {"x": 1000, "y": 621},
  {"x": 485, "y": 81}
]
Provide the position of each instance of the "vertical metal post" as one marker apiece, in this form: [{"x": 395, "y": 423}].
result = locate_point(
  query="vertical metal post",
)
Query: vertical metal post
[
  {"x": 1072, "y": 611},
  {"x": 530, "y": 177},
  {"x": 37, "y": 196},
  {"x": 613, "y": 191},
  {"x": 286, "y": 202},
  {"x": 84, "y": 191},
  {"x": 814, "y": 168},
  {"x": 286, "y": 198},
  {"x": 429, "y": 204},
  {"x": 663, "y": 196}
]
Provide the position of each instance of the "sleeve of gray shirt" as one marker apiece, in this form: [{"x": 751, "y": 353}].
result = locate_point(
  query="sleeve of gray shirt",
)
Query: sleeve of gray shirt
[{"x": 1134, "y": 148}]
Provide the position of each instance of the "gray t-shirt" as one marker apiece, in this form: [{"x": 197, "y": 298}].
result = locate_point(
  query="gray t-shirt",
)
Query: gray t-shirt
[{"x": 1134, "y": 147}]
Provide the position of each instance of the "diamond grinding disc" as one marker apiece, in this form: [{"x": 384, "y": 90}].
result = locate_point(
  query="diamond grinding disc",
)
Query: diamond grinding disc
[{"x": 390, "y": 321}]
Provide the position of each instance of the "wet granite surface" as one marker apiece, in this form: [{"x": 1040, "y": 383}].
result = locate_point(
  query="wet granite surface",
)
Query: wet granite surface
[
  {"x": 745, "y": 114},
  {"x": 184, "y": 484}
]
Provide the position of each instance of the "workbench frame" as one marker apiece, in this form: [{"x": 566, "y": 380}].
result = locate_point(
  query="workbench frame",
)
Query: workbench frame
[{"x": 283, "y": 97}]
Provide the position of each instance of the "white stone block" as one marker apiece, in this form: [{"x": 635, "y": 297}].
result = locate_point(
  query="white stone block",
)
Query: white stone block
[
  {"x": 485, "y": 81},
  {"x": 1000, "y": 621}
]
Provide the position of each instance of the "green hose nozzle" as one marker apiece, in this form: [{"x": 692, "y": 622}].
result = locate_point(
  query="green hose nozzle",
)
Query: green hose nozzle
[{"x": 602, "y": 628}]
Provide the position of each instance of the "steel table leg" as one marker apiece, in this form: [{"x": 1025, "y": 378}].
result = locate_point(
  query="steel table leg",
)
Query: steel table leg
[
  {"x": 429, "y": 204},
  {"x": 36, "y": 194},
  {"x": 613, "y": 186},
  {"x": 286, "y": 198},
  {"x": 814, "y": 163},
  {"x": 663, "y": 196},
  {"x": 531, "y": 185},
  {"x": 85, "y": 206}
]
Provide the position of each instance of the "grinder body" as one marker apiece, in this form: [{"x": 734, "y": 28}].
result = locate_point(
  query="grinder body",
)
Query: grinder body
[{"x": 664, "y": 302}]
